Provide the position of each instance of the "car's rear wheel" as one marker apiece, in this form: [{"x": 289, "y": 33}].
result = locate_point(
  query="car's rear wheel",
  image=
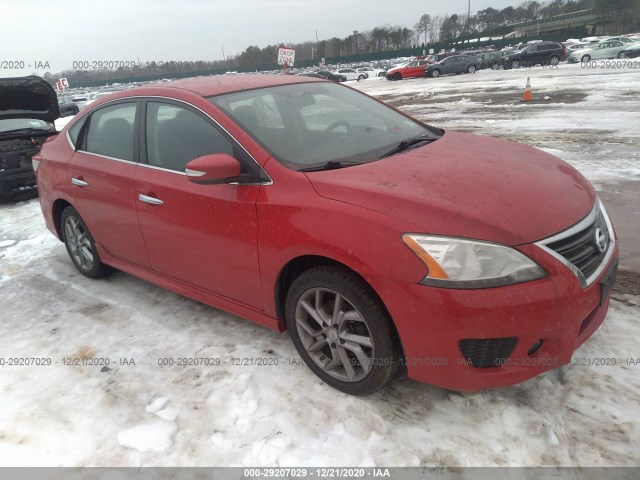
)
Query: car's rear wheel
[
  {"x": 553, "y": 61},
  {"x": 341, "y": 330},
  {"x": 81, "y": 245},
  {"x": 435, "y": 73},
  {"x": 515, "y": 64},
  {"x": 585, "y": 59},
  {"x": 471, "y": 69},
  {"x": 397, "y": 76}
]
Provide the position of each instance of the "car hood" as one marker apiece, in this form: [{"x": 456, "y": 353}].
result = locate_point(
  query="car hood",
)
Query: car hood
[
  {"x": 28, "y": 97},
  {"x": 467, "y": 186}
]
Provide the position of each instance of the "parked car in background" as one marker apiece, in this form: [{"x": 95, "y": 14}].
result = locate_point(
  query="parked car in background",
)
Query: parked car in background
[
  {"x": 331, "y": 76},
  {"x": 543, "y": 53},
  {"x": 454, "y": 64},
  {"x": 632, "y": 51},
  {"x": 412, "y": 69},
  {"x": 28, "y": 109},
  {"x": 492, "y": 59},
  {"x": 93, "y": 96},
  {"x": 436, "y": 57},
  {"x": 600, "y": 51},
  {"x": 67, "y": 106},
  {"x": 350, "y": 74},
  {"x": 372, "y": 72}
]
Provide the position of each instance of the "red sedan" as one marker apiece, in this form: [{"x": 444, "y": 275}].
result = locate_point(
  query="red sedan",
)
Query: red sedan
[
  {"x": 412, "y": 69},
  {"x": 380, "y": 243}
]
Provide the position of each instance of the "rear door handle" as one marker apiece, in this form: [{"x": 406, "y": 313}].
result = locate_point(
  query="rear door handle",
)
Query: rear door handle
[
  {"x": 79, "y": 183},
  {"x": 150, "y": 200}
]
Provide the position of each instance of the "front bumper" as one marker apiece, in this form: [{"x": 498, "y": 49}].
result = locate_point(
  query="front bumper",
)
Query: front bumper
[
  {"x": 437, "y": 326},
  {"x": 13, "y": 178}
]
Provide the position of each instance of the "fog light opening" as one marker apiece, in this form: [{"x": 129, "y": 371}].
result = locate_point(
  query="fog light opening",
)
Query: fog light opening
[{"x": 534, "y": 348}]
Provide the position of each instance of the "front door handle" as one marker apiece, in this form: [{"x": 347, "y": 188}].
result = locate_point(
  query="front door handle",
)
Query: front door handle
[
  {"x": 150, "y": 200},
  {"x": 79, "y": 183}
]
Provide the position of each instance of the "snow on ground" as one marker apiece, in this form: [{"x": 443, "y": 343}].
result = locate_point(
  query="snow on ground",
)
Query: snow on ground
[
  {"x": 591, "y": 118},
  {"x": 146, "y": 414},
  {"x": 126, "y": 414}
]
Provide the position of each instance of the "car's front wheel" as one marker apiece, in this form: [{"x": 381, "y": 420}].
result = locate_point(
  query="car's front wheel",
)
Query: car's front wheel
[
  {"x": 341, "y": 330},
  {"x": 471, "y": 69},
  {"x": 81, "y": 245},
  {"x": 515, "y": 64},
  {"x": 397, "y": 76},
  {"x": 435, "y": 73},
  {"x": 621, "y": 54},
  {"x": 585, "y": 59},
  {"x": 360, "y": 77}
]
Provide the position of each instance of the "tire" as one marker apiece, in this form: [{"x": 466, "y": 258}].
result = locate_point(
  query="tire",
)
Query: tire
[
  {"x": 361, "y": 324},
  {"x": 360, "y": 77},
  {"x": 435, "y": 73},
  {"x": 621, "y": 54},
  {"x": 554, "y": 61},
  {"x": 471, "y": 69},
  {"x": 515, "y": 64},
  {"x": 397, "y": 76},
  {"x": 80, "y": 245},
  {"x": 381, "y": 74},
  {"x": 585, "y": 59}
]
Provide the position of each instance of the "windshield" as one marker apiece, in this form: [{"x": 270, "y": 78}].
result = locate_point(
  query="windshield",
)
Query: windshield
[
  {"x": 309, "y": 124},
  {"x": 11, "y": 124}
]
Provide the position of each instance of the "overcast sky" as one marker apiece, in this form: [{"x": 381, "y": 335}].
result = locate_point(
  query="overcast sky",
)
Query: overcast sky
[{"x": 63, "y": 31}]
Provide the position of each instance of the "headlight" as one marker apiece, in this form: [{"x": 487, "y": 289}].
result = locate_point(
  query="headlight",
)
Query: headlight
[{"x": 462, "y": 263}]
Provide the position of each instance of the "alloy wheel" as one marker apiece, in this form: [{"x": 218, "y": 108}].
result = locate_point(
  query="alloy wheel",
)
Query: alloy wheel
[
  {"x": 334, "y": 334},
  {"x": 79, "y": 243}
]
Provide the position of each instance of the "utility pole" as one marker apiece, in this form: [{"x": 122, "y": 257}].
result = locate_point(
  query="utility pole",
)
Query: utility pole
[{"x": 469, "y": 18}]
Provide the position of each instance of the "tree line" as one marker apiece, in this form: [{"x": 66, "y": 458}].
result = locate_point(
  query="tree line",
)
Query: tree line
[{"x": 428, "y": 30}]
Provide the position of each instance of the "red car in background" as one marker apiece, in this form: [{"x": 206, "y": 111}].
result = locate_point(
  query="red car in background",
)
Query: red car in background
[
  {"x": 381, "y": 243},
  {"x": 413, "y": 69}
]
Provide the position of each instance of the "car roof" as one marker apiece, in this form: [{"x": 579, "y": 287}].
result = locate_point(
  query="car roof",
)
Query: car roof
[{"x": 210, "y": 86}]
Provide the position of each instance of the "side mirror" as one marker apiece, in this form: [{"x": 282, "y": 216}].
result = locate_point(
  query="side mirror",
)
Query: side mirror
[{"x": 213, "y": 169}]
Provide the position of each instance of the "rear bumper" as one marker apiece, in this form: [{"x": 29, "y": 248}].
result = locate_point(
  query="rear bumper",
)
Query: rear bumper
[
  {"x": 445, "y": 332},
  {"x": 14, "y": 178}
]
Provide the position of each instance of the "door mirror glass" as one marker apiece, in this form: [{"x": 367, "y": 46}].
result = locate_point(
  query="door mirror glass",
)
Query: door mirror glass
[{"x": 213, "y": 169}]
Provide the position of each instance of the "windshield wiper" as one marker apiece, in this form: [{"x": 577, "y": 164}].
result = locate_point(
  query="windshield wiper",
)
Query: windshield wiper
[
  {"x": 330, "y": 165},
  {"x": 408, "y": 143}
]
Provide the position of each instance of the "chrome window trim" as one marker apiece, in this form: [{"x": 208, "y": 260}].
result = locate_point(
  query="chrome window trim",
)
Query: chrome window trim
[
  {"x": 168, "y": 170},
  {"x": 108, "y": 157},
  {"x": 267, "y": 183},
  {"x": 581, "y": 225}
]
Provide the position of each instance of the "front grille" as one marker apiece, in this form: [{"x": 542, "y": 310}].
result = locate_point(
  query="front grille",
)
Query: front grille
[
  {"x": 487, "y": 352},
  {"x": 581, "y": 248}
]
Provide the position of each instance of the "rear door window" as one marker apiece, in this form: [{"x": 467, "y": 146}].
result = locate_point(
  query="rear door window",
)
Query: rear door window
[{"x": 111, "y": 131}]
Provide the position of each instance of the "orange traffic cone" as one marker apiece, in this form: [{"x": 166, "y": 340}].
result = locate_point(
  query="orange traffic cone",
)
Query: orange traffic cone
[{"x": 528, "y": 96}]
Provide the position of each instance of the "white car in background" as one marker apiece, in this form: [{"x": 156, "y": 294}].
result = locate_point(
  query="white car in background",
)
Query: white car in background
[
  {"x": 632, "y": 50},
  {"x": 372, "y": 72},
  {"x": 600, "y": 51},
  {"x": 93, "y": 96},
  {"x": 350, "y": 74}
]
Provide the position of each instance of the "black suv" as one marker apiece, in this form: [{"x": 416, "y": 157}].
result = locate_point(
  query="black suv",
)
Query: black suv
[
  {"x": 543, "y": 53},
  {"x": 28, "y": 108}
]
